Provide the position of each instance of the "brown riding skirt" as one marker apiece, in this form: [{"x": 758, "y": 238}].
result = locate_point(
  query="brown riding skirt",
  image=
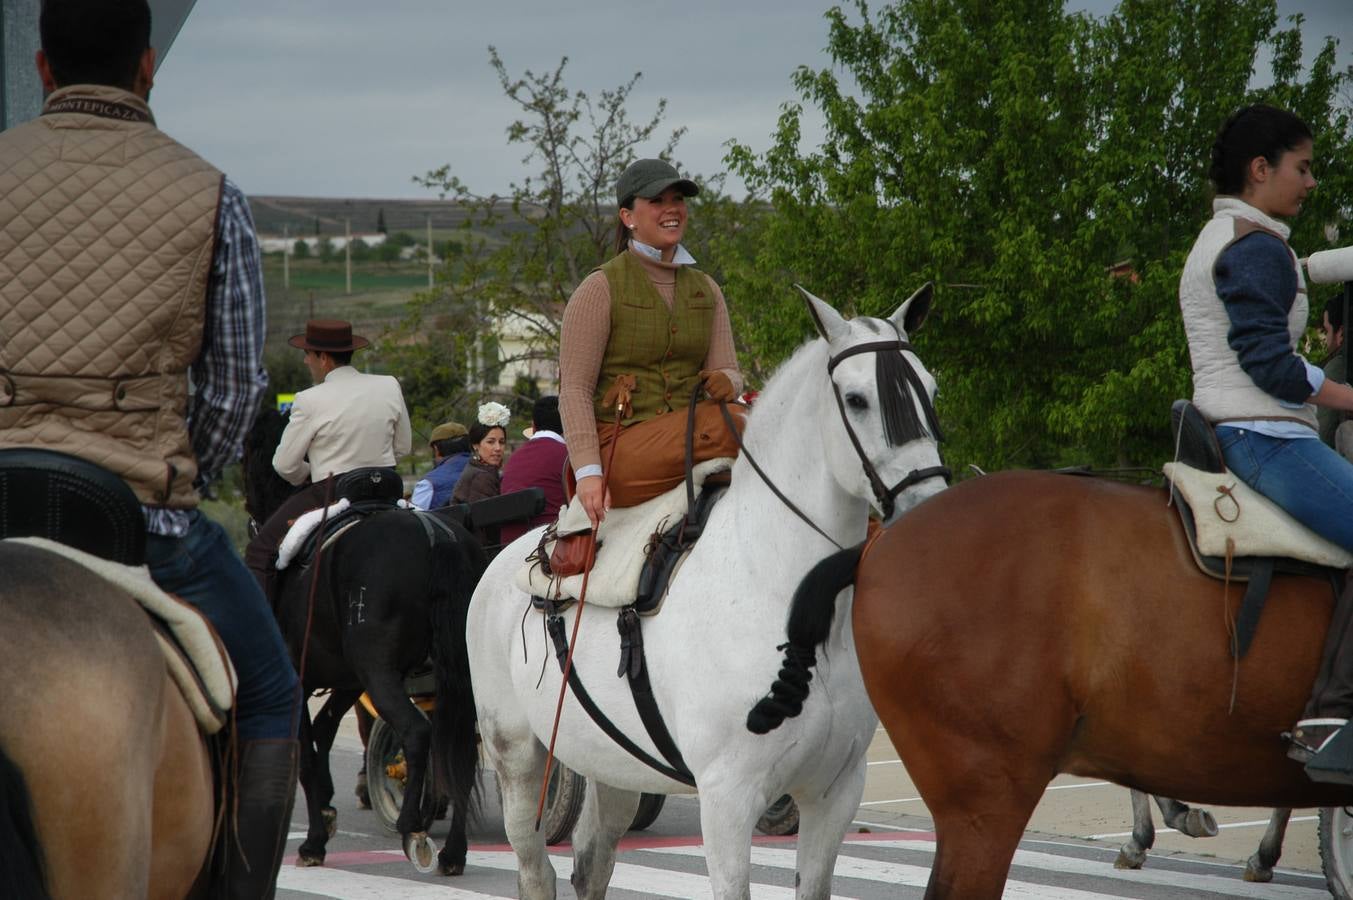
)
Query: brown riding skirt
[{"x": 650, "y": 458}]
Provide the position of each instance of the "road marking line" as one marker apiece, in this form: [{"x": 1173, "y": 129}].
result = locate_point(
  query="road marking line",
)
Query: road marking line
[
  {"x": 1256, "y": 823},
  {"x": 1051, "y": 787},
  {"x": 903, "y": 874},
  {"x": 643, "y": 879},
  {"x": 346, "y": 885},
  {"x": 1210, "y": 884}
]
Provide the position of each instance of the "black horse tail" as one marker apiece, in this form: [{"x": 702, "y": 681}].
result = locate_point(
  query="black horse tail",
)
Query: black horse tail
[
  {"x": 22, "y": 869},
  {"x": 810, "y": 623},
  {"x": 456, "y": 568}
]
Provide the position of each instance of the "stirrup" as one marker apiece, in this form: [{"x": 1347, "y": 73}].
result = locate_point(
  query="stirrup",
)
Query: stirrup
[{"x": 1309, "y": 736}]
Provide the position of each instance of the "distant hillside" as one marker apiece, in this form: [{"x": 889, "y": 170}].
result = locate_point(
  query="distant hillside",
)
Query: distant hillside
[{"x": 301, "y": 215}]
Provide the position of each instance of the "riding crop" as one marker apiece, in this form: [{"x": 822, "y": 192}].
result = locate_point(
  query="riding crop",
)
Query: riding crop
[{"x": 622, "y": 388}]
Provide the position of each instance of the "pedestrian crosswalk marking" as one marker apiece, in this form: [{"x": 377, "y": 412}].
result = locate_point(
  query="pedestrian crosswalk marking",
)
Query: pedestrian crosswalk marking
[
  {"x": 656, "y": 881},
  {"x": 644, "y": 879},
  {"x": 900, "y": 874}
]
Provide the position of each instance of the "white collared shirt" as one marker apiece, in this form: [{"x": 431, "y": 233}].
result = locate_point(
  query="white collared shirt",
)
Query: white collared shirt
[{"x": 680, "y": 258}]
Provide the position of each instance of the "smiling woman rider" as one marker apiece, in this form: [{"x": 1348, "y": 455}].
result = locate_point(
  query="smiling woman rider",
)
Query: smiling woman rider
[
  {"x": 649, "y": 314},
  {"x": 1245, "y": 308}
]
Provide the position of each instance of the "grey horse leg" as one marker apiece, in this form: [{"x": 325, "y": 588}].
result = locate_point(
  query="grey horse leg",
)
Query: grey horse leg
[
  {"x": 1260, "y": 865},
  {"x": 1185, "y": 819},
  {"x": 1132, "y": 854}
]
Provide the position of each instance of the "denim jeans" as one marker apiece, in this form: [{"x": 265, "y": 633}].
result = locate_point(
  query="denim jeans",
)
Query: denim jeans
[
  {"x": 202, "y": 568},
  {"x": 1310, "y": 481}
]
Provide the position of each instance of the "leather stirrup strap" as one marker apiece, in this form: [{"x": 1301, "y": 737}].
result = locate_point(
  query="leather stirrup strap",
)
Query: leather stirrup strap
[
  {"x": 631, "y": 632},
  {"x": 555, "y": 626}
]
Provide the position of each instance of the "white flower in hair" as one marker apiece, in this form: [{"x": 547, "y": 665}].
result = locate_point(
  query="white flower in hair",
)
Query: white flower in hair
[{"x": 494, "y": 415}]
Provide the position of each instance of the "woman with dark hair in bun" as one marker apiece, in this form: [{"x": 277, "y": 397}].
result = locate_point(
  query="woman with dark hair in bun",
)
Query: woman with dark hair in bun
[{"x": 1245, "y": 309}]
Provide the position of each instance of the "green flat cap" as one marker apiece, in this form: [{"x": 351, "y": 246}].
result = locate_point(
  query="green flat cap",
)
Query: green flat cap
[
  {"x": 447, "y": 430},
  {"x": 648, "y": 178}
]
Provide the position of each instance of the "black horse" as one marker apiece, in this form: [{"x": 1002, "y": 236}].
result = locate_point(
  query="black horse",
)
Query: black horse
[{"x": 384, "y": 603}]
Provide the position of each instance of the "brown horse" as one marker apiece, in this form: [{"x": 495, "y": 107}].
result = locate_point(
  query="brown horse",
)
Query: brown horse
[
  {"x": 1025, "y": 624},
  {"x": 103, "y": 771}
]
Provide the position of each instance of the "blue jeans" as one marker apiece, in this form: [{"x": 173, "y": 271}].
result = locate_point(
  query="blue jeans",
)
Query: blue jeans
[
  {"x": 1310, "y": 481},
  {"x": 201, "y": 567}
]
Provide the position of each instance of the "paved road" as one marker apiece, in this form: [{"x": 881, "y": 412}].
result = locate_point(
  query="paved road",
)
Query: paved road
[{"x": 1068, "y": 854}]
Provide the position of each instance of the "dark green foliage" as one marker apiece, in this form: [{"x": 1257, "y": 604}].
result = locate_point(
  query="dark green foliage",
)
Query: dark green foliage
[{"x": 1015, "y": 154}]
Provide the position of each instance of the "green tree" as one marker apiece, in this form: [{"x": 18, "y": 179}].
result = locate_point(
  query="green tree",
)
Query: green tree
[
  {"x": 380, "y": 221},
  {"x": 300, "y": 250},
  {"x": 1014, "y": 154},
  {"x": 505, "y": 279}
]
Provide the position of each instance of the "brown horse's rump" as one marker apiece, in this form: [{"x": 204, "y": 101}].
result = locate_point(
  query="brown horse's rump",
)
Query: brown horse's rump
[{"x": 1024, "y": 624}]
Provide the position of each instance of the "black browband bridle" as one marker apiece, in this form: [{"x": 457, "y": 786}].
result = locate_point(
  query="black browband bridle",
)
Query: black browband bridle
[{"x": 882, "y": 493}]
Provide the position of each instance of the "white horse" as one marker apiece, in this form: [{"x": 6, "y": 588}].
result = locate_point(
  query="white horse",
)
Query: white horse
[{"x": 712, "y": 650}]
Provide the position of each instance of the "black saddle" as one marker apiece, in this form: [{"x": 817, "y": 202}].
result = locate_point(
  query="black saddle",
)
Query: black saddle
[
  {"x": 71, "y": 500},
  {"x": 371, "y": 485}
]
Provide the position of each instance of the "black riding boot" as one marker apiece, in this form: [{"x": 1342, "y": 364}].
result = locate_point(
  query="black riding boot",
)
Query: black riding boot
[
  {"x": 259, "y": 818},
  {"x": 1332, "y": 696}
]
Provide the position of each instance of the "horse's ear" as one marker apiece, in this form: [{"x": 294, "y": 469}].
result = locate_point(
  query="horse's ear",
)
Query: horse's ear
[
  {"x": 912, "y": 313},
  {"x": 828, "y": 321}
]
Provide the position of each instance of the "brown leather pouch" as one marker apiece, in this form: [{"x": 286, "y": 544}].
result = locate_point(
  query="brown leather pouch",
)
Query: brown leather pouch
[{"x": 569, "y": 556}]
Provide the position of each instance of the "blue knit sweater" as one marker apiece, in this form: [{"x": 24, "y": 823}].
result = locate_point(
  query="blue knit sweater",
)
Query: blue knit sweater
[{"x": 1257, "y": 285}]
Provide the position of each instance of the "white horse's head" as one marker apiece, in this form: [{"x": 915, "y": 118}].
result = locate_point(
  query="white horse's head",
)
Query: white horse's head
[{"x": 888, "y": 448}]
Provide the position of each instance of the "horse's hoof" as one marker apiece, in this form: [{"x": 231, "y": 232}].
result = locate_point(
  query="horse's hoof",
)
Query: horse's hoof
[
  {"x": 1129, "y": 858},
  {"x": 450, "y": 870},
  {"x": 1255, "y": 871},
  {"x": 421, "y": 851},
  {"x": 363, "y": 795},
  {"x": 1200, "y": 823},
  {"x": 309, "y": 860},
  {"x": 330, "y": 817}
]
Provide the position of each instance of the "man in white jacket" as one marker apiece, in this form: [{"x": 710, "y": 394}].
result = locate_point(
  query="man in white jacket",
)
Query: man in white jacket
[{"x": 347, "y": 421}]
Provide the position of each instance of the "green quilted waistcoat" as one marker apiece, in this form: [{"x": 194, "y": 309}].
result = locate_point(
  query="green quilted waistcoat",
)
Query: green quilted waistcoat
[{"x": 664, "y": 349}]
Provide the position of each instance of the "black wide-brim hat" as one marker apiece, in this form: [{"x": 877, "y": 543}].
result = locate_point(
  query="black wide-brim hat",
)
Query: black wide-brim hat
[{"x": 328, "y": 336}]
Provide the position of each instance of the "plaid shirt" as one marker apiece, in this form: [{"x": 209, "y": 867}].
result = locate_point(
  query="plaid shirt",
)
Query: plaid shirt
[{"x": 228, "y": 378}]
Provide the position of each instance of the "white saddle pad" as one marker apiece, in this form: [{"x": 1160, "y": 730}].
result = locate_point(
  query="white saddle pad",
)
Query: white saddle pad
[
  {"x": 1226, "y": 508},
  {"x": 190, "y": 628},
  {"x": 308, "y": 522},
  {"x": 624, "y": 537}
]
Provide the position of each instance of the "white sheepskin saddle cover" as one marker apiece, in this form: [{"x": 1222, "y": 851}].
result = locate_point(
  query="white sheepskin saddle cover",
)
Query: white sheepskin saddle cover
[
  {"x": 308, "y": 522},
  {"x": 211, "y": 691},
  {"x": 623, "y": 537},
  {"x": 1226, "y": 508}
]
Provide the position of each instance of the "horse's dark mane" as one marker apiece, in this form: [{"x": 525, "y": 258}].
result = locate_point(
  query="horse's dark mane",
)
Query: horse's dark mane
[{"x": 264, "y": 489}]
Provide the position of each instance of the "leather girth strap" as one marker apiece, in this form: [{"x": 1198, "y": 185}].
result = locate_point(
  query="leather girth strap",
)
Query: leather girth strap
[
  {"x": 633, "y": 666},
  {"x": 1251, "y": 605}
]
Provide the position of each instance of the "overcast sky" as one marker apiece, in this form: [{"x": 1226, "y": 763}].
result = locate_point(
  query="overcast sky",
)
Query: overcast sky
[{"x": 352, "y": 98}]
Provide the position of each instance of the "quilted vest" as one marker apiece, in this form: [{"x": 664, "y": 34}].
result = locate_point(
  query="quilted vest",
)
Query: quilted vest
[
  {"x": 107, "y": 228},
  {"x": 1221, "y": 389},
  {"x": 662, "y": 348}
]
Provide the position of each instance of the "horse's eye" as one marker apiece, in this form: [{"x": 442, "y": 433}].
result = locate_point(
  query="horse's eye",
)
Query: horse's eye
[{"x": 856, "y": 402}]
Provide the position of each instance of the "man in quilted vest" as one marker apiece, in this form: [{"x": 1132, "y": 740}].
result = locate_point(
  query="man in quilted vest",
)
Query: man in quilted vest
[{"x": 127, "y": 263}]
